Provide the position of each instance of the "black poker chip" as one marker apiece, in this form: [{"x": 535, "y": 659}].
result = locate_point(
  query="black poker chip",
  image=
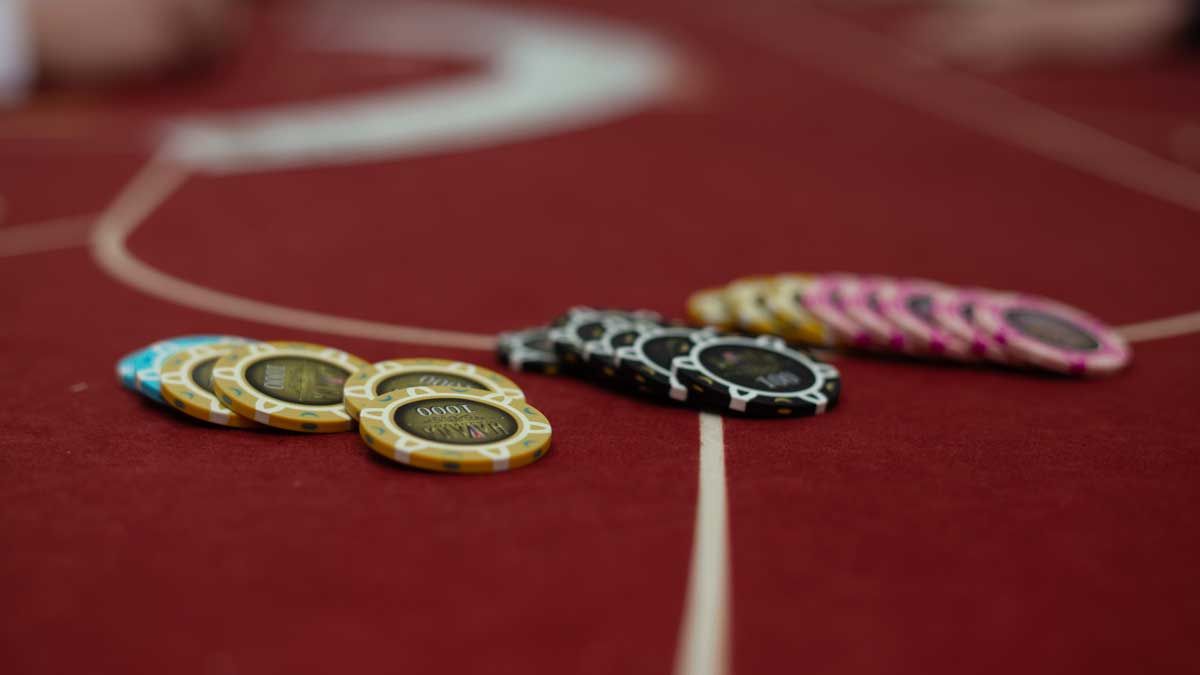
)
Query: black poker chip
[
  {"x": 580, "y": 332},
  {"x": 646, "y": 363},
  {"x": 529, "y": 349},
  {"x": 572, "y": 332},
  {"x": 600, "y": 355},
  {"x": 755, "y": 376}
]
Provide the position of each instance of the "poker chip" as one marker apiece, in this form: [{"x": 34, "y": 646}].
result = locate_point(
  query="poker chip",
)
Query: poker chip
[
  {"x": 379, "y": 378},
  {"x": 747, "y": 299},
  {"x": 914, "y": 317},
  {"x": 1052, "y": 335},
  {"x": 758, "y": 376},
  {"x": 707, "y": 307},
  {"x": 186, "y": 381},
  {"x": 647, "y": 362},
  {"x": 909, "y": 305},
  {"x": 580, "y": 327},
  {"x": 530, "y": 350},
  {"x": 287, "y": 385},
  {"x": 954, "y": 310},
  {"x": 148, "y": 362},
  {"x": 601, "y": 354},
  {"x": 823, "y": 297},
  {"x": 860, "y": 301},
  {"x": 786, "y": 302},
  {"x": 455, "y": 430},
  {"x": 127, "y": 370},
  {"x": 577, "y": 333}
]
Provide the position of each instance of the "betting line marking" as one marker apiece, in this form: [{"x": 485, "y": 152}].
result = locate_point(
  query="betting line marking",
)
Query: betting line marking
[
  {"x": 1158, "y": 329},
  {"x": 845, "y": 49},
  {"x": 43, "y": 237},
  {"x": 703, "y": 645},
  {"x": 158, "y": 180},
  {"x": 153, "y": 184}
]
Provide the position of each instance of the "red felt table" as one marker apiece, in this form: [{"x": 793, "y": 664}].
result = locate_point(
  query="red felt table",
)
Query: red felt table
[{"x": 941, "y": 519}]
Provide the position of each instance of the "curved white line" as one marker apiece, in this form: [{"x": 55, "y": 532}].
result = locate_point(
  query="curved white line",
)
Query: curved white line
[
  {"x": 704, "y": 633},
  {"x": 153, "y": 184},
  {"x": 158, "y": 179},
  {"x": 543, "y": 75},
  {"x": 53, "y": 235}
]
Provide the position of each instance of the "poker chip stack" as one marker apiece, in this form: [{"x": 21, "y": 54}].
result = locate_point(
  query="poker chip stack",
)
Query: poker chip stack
[
  {"x": 916, "y": 318},
  {"x": 639, "y": 352},
  {"x": 430, "y": 414}
]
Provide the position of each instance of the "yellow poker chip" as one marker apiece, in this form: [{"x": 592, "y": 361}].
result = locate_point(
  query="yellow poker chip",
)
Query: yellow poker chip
[
  {"x": 186, "y": 380},
  {"x": 747, "y": 298},
  {"x": 786, "y": 301},
  {"x": 287, "y": 385},
  {"x": 379, "y": 378},
  {"x": 455, "y": 429},
  {"x": 707, "y": 307}
]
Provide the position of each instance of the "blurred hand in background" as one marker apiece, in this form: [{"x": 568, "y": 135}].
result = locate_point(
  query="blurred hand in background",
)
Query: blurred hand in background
[
  {"x": 1001, "y": 35},
  {"x": 97, "y": 42}
]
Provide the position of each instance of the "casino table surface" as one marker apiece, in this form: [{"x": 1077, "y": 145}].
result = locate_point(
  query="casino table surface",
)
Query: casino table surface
[{"x": 409, "y": 180}]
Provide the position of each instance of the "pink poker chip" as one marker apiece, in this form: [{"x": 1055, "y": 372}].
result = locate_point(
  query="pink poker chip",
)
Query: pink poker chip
[
  {"x": 1052, "y": 335},
  {"x": 954, "y": 311},
  {"x": 909, "y": 304},
  {"x": 860, "y": 299},
  {"x": 823, "y": 297}
]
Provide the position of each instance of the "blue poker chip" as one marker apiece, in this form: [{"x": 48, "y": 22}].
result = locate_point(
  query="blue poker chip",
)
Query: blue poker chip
[
  {"x": 127, "y": 371},
  {"x": 146, "y": 363}
]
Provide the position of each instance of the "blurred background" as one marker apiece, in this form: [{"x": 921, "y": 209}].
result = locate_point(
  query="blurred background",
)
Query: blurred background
[
  {"x": 238, "y": 85},
  {"x": 58, "y": 44},
  {"x": 69, "y": 69},
  {"x": 409, "y": 179},
  {"x": 134, "y": 76}
]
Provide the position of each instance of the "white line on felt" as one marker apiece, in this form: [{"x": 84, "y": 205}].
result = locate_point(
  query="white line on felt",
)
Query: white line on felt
[
  {"x": 987, "y": 108},
  {"x": 158, "y": 180},
  {"x": 1158, "y": 329},
  {"x": 146, "y": 192},
  {"x": 851, "y": 51},
  {"x": 50, "y": 235},
  {"x": 704, "y": 633}
]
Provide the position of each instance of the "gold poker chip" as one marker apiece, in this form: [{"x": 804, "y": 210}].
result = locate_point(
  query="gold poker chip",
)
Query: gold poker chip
[
  {"x": 379, "y": 378},
  {"x": 186, "y": 383},
  {"x": 747, "y": 299},
  {"x": 707, "y": 307},
  {"x": 455, "y": 429},
  {"x": 287, "y": 385},
  {"x": 786, "y": 301}
]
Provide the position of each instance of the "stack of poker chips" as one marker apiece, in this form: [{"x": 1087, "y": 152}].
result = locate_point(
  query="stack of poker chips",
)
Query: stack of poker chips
[
  {"x": 431, "y": 414},
  {"x": 639, "y": 352},
  {"x": 916, "y": 318}
]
